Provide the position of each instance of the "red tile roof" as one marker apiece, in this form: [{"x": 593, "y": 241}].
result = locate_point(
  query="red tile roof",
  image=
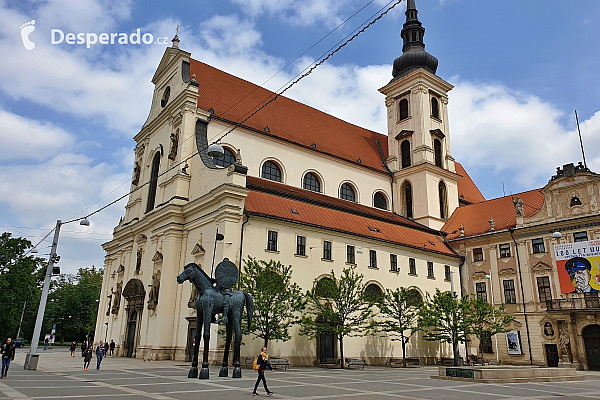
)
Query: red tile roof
[
  {"x": 321, "y": 200},
  {"x": 232, "y": 99},
  {"x": 272, "y": 206},
  {"x": 467, "y": 190},
  {"x": 475, "y": 217}
]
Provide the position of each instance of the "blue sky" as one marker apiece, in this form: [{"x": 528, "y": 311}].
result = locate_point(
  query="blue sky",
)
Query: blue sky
[{"x": 68, "y": 113}]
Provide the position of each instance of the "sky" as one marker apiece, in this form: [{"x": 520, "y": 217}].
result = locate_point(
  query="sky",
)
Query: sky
[{"x": 69, "y": 112}]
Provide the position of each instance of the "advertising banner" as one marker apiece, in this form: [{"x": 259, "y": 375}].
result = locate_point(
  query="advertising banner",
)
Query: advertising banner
[{"x": 578, "y": 266}]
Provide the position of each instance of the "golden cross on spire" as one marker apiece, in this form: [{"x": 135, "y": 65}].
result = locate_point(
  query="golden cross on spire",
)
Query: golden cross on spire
[{"x": 177, "y": 30}]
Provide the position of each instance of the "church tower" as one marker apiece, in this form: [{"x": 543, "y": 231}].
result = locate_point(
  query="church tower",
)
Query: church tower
[{"x": 425, "y": 179}]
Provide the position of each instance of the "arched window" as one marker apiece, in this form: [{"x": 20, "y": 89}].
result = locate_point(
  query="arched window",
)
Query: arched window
[
  {"x": 443, "y": 200},
  {"x": 226, "y": 159},
  {"x": 347, "y": 192},
  {"x": 153, "y": 182},
  {"x": 408, "y": 202},
  {"x": 414, "y": 298},
  {"x": 403, "y": 109},
  {"x": 165, "y": 98},
  {"x": 325, "y": 287},
  {"x": 311, "y": 182},
  {"x": 380, "y": 201},
  {"x": 271, "y": 171},
  {"x": 437, "y": 152},
  {"x": 435, "y": 108},
  {"x": 405, "y": 153},
  {"x": 373, "y": 292}
]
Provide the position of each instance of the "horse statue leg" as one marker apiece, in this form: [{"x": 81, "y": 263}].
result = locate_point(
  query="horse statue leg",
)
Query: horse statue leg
[
  {"x": 229, "y": 331},
  {"x": 206, "y": 314},
  {"x": 236, "y": 317},
  {"x": 194, "y": 370}
]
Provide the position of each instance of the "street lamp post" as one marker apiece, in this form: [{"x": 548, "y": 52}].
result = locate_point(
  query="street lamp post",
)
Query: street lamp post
[{"x": 496, "y": 335}]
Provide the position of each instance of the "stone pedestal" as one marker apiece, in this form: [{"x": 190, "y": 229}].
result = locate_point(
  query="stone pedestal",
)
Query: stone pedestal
[{"x": 508, "y": 374}]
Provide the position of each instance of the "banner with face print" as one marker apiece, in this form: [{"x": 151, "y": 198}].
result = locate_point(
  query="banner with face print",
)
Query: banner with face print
[{"x": 578, "y": 266}]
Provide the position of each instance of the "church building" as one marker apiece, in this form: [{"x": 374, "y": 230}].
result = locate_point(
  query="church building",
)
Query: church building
[{"x": 295, "y": 185}]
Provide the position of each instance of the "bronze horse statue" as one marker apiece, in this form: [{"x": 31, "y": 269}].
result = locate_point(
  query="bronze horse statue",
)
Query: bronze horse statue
[{"x": 210, "y": 301}]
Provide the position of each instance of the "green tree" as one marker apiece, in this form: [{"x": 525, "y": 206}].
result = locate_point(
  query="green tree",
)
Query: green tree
[
  {"x": 444, "y": 317},
  {"x": 73, "y": 303},
  {"x": 338, "y": 306},
  {"x": 19, "y": 283},
  {"x": 399, "y": 316},
  {"x": 487, "y": 321},
  {"x": 277, "y": 299}
]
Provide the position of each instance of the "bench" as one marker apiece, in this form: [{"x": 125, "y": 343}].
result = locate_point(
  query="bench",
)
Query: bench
[
  {"x": 355, "y": 362},
  {"x": 279, "y": 362},
  {"x": 397, "y": 362},
  {"x": 248, "y": 361},
  {"x": 446, "y": 362},
  {"x": 329, "y": 362}
]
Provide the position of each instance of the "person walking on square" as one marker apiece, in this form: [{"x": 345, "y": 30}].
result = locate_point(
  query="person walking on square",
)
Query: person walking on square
[
  {"x": 106, "y": 349},
  {"x": 87, "y": 357},
  {"x": 99, "y": 354},
  {"x": 112, "y": 348},
  {"x": 73, "y": 348},
  {"x": 83, "y": 348},
  {"x": 263, "y": 363},
  {"x": 8, "y": 354},
  {"x": 46, "y": 341}
]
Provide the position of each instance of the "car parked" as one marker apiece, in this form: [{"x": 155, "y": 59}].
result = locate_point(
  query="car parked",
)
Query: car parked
[{"x": 19, "y": 343}]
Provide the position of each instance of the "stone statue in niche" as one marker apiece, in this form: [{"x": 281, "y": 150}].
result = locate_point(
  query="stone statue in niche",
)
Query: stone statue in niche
[
  {"x": 138, "y": 262},
  {"x": 136, "y": 173},
  {"x": 548, "y": 330},
  {"x": 461, "y": 229},
  {"x": 519, "y": 207},
  {"x": 492, "y": 223},
  {"x": 193, "y": 297},
  {"x": 117, "y": 299},
  {"x": 174, "y": 142},
  {"x": 564, "y": 341},
  {"x": 154, "y": 289}
]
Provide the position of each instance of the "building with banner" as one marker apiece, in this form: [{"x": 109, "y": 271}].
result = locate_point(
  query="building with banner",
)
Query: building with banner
[{"x": 538, "y": 253}]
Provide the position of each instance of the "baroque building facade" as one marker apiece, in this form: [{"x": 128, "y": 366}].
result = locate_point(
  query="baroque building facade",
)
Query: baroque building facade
[{"x": 295, "y": 185}]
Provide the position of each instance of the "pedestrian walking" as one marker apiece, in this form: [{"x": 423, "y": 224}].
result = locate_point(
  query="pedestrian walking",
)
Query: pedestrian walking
[
  {"x": 87, "y": 357},
  {"x": 112, "y": 348},
  {"x": 99, "y": 354},
  {"x": 106, "y": 349},
  {"x": 73, "y": 348},
  {"x": 83, "y": 348},
  {"x": 8, "y": 354},
  {"x": 261, "y": 363},
  {"x": 46, "y": 343}
]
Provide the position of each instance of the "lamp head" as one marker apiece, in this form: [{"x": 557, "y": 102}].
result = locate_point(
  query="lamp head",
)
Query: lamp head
[
  {"x": 84, "y": 222},
  {"x": 557, "y": 235},
  {"x": 215, "y": 150}
]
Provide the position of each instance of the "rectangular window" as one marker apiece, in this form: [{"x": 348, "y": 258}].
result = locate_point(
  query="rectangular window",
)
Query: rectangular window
[
  {"x": 272, "y": 241},
  {"x": 544, "y": 288},
  {"x": 538, "y": 245},
  {"x": 430, "y": 269},
  {"x": 326, "y": 250},
  {"x": 350, "y": 255},
  {"x": 478, "y": 254},
  {"x": 580, "y": 236},
  {"x": 481, "y": 289},
  {"x": 412, "y": 266},
  {"x": 372, "y": 259},
  {"x": 505, "y": 250},
  {"x": 393, "y": 262},
  {"x": 447, "y": 273},
  {"x": 509, "y": 292},
  {"x": 301, "y": 245}
]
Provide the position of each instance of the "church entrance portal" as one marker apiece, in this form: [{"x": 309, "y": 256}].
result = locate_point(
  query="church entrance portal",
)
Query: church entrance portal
[
  {"x": 591, "y": 339},
  {"x": 135, "y": 294}
]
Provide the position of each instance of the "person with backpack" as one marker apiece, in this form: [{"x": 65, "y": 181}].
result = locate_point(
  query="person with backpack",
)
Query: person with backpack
[
  {"x": 87, "y": 357},
  {"x": 73, "y": 348},
  {"x": 112, "y": 348},
  {"x": 84, "y": 346},
  {"x": 99, "y": 354},
  {"x": 8, "y": 354},
  {"x": 261, "y": 363}
]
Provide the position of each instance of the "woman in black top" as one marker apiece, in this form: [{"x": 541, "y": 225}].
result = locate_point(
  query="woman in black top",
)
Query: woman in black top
[
  {"x": 263, "y": 364},
  {"x": 8, "y": 354}
]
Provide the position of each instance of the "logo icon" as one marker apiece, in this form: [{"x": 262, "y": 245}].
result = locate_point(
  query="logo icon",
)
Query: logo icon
[{"x": 26, "y": 29}]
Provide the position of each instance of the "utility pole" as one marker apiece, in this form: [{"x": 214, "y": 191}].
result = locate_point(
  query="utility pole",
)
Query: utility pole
[
  {"x": 32, "y": 358},
  {"x": 22, "y": 313}
]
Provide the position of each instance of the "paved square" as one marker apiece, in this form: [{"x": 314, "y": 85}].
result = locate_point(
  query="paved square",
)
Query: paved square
[{"x": 60, "y": 376}]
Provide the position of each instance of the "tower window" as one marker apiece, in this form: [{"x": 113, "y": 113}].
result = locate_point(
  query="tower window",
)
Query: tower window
[
  {"x": 347, "y": 193},
  {"x": 271, "y": 171},
  {"x": 403, "y": 109},
  {"x": 435, "y": 108},
  {"x": 414, "y": 36},
  {"x": 380, "y": 201},
  {"x": 437, "y": 152},
  {"x": 226, "y": 159},
  {"x": 153, "y": 182},
  {"x": 408, "y": 206},
  {"x": 311, "y": 182},
  {"x": 405, "y": 153},
  {"x": 443, "y": 200},
  {"x": 165, "y": 98}
]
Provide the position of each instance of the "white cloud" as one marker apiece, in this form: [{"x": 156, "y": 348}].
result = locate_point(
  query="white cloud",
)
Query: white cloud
[
  {"x": 300, "y": 13},
  {"x": 25, "y": 138}
]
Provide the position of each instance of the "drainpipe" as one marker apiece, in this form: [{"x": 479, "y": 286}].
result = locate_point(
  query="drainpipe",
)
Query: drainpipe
[
  {"x": 390, "y": 173},
  {"x": 511, "y": 230},
  {"x": 242, "y": 238}
]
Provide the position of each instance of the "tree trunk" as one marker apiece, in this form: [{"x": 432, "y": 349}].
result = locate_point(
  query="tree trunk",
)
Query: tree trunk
[
  {"x": 455, "y": 352},
  {"x": 403, "y": 350},
  {"x": 341, "y": 352},
  {"x": 481, "y": 349},
  {"x": 266, "y": 340}
]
